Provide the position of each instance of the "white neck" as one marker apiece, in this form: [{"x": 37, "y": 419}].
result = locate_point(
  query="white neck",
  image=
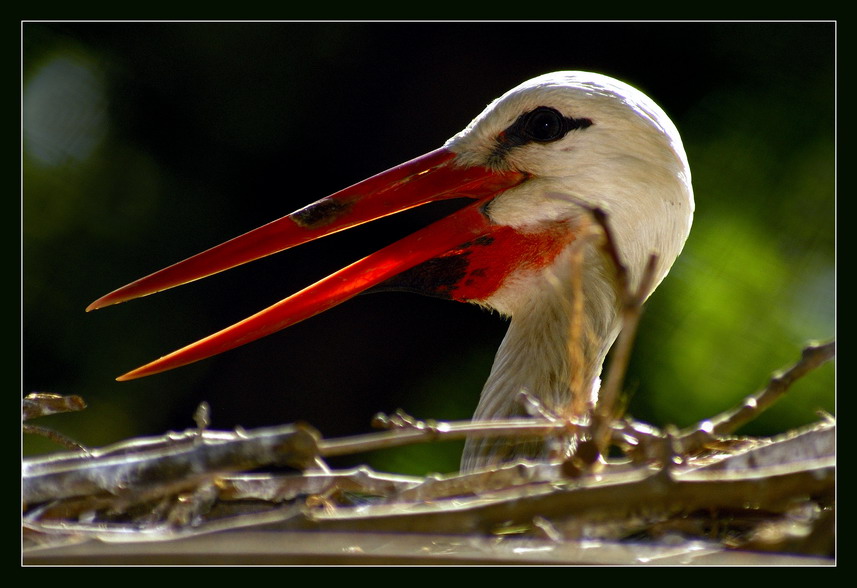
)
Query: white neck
[{"x": 538, "y": 356}]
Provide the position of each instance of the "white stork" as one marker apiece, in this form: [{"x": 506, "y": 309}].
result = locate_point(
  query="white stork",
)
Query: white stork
[{"x": 534, "y": 163}]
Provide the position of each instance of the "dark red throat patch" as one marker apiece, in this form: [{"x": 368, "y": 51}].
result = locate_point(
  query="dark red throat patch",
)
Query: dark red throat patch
[{"x": 475, "y": 270}]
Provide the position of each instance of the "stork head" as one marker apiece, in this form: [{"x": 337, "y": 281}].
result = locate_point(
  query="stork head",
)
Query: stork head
[
  {"x": 585, "y": 141},
  {"x": 533, "y": 162}
]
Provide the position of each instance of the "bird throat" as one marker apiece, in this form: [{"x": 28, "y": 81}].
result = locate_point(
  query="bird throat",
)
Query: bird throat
[
  {"x": 550, "y": 356},
  {"x": 475, "y": 270}
]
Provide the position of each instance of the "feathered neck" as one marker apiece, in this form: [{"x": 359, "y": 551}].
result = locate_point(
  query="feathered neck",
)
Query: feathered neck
[{"x": 555, "y": 360}]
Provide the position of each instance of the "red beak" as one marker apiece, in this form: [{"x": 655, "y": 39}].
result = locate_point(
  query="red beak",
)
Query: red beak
[{"x": 434, "y": 176}]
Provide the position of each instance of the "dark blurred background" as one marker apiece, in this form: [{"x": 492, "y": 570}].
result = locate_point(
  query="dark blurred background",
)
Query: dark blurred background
[{"x": 144, "y": 143}]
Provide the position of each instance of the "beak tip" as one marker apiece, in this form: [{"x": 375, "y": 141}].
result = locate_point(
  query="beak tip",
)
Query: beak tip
[
  {"x": 100, "y": 303},
  {"x": 150, "y": 369}
]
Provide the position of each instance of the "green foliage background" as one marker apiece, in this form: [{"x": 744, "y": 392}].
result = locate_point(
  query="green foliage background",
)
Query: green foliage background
[{"x": 146, "y": 142}]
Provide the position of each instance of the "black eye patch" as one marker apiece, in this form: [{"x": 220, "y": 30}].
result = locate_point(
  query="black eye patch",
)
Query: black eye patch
[{"x": 541, "y": 125}]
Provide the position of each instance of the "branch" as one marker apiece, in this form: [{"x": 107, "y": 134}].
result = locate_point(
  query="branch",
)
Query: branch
[
  {"x": 813, "y": 356},
  {"x": 631, "y": 303},
  {"x": 40, "y": 404},
  {"x": 405, "y": 430},
  {"x": 148, "y": 464}
]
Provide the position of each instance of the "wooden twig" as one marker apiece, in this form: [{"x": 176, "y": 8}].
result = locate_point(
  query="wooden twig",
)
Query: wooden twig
[
  {"x": 405, "y": 430},
  {"x": 606, "y": 409},
  {"x": 813, "y": 356},
  {"x": 55, "y": 436},
  {"x": 181, "y": 458},
  {"x": 579, "y": 334},
  {"x": 41, "y": 404},
  {"x": 275, "y": 488},
  {"x": 631, "y": 301}
]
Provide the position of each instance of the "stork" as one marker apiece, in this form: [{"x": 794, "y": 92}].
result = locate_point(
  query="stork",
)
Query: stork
[{"x": 534, "y": 163}]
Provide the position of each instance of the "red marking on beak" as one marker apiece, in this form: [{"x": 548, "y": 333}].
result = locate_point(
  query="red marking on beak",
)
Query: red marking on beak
[{"x": 432, "y": 177}]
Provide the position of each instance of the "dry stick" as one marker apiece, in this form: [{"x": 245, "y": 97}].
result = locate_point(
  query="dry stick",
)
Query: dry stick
[
  {"x": 631, "y": 309},
  {"x": 581, "y": 391},
  {"x": 697, "y": 436},
  {"x": 631, "y": 314},
  {"x": 813, "y": 356},
  {"x": 54, "y": 436},
  {"x": 575, "y": 346},
  {"x": 421, "y": 431},
  {"x": 152, "y": 463},
  {"x": 631, "y": 303},
  {"x": 40, "y": 404}
]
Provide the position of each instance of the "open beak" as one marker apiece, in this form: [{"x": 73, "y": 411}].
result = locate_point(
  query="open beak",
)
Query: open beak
[{"x": 431, "y": 177}]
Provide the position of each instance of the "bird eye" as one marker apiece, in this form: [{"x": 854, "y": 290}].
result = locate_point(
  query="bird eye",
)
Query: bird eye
[
  {"x": 545, "y": 125},
  {"x": 541, "y": 125}
]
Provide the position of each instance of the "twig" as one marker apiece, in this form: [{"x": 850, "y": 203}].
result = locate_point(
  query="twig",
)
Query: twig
[
  {"x": 54, "y": 436},
  {"x": 142, "y": 464},
  {"x": 39, "y": 404},
  {"x": 279, "y": 488},
  {"x": 610, "y": 248},
  {"x": 608, "y": 398},
  {"x": 813, "y": 356},
  {"x": 577, "y": 333},
  {"x": 606, "y": 410},
  {"x": 408, "y": 430}
]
